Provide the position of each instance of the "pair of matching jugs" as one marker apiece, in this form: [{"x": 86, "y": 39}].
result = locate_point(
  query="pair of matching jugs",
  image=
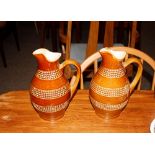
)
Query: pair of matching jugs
[{"x": 109, "y": 92}]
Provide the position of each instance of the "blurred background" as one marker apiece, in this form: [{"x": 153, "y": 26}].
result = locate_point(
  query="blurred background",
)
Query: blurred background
[{"x": 18, "y": 39}]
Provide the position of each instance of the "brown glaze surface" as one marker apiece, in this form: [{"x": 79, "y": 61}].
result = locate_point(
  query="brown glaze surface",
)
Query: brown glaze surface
[
  {"x": 50, "y": 91},
  {"x": 109, "y": 89}
]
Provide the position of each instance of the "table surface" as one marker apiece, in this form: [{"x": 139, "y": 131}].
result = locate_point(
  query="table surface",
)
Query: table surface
[{"x": 18, "y": 115}]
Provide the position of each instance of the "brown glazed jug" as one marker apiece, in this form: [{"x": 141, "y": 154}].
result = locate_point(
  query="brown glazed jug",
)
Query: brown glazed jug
[
  {"x": 50, "y": 91},
  {"x": 110, "y": 88}
]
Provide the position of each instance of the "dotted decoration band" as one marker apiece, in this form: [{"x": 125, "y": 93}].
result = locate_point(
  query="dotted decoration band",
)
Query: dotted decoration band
[
  {"x": 111, "y": 73},
  {"x": 108, "y": 107},
  {"x": 110, "y": 92},
  {"x": 48, "y": 75},
  {"x": 50, "y": 94},
  {"x": 50, "y": 108}
]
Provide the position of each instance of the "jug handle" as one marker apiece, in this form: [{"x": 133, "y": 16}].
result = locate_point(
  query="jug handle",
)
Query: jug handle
[
  {"x": 76, "y": 81},
  {"x": 138, "y": 74}
]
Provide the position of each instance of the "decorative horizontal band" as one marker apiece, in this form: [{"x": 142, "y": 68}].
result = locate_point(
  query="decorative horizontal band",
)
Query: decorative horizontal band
[
  {"x": 50, "y": 108},
  {"x": 111, "y": 73},
  {"x": 109, "y": 92},
  {"x": 108, "y": 106},
  {"x": 48, "y": 75},
  {"x": 50, "y": 94}
]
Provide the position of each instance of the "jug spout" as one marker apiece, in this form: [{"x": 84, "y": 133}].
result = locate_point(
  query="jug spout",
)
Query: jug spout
[
  {"x": 119, "y": 55},
  {"x": 46, "y": 59},
  {"x": 112, "y": 59}
]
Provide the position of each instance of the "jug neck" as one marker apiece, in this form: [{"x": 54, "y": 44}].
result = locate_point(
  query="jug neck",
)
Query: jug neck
[
  {"x": 45, "y": 65},
  {"x": 109, "y": 61},
  {"x": 46, "y": 59}
]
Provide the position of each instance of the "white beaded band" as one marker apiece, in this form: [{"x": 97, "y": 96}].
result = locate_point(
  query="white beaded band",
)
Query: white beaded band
[
  {"x": 107, "y": 106},
  {"x": 111, "y": 73},
  {"x": 109, "y": 92},
  {"x": 48, "y": 75},
  {"x": 50, "y": 108},
  {"x": 50, "y": 94}
]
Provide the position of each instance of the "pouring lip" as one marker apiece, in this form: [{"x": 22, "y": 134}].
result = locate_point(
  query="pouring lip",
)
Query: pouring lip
[
  {"x": 120, "y": 55},
  {"x": 49, "y": 55}
]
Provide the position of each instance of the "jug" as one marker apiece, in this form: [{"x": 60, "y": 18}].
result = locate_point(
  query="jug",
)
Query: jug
[
  {"x": 110, "y": 89},
  {"x": 50, "y": 91}
]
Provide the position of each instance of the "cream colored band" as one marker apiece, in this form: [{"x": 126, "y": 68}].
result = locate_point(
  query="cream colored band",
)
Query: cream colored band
[
  {"x": 110, "y": 92},
  {"x": 111, "y": 73},
  {"x": 50, "y": 94},
  {"x": 108, "y": 106},
  {"x": 48, "y": 75},
  {"x": 50, "y": 108}
]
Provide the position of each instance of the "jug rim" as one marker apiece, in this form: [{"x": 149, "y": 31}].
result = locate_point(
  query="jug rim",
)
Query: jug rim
[
  {"x": 120, "y": 55},
  {"x": 49, "y": 55}
]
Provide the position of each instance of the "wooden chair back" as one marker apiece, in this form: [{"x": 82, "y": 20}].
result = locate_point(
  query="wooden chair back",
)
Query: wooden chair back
[
  {"x": 132, "y": 51},
  {"x": 65, "y": 38},
  {"x": 92, "y": 44},
  {"x": 108, "y": 38},
  {"x": 109, "y": 33}
]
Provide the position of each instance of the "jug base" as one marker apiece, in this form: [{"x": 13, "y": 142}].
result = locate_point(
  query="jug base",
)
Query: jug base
[
  {"x": 51, "y": 118},
  {"x": 107, "y": 116}
]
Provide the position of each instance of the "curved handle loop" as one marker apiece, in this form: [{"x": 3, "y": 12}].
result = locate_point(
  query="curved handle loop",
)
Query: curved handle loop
[
  {"x": 138, "y": 74},
  {"x": 72, "y": 62}
]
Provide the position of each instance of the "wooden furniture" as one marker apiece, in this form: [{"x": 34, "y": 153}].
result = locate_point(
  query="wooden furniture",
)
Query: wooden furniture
[
  {"x": 81, "y": 51},
  {"x": 131, "y": 29},
  {"x": 132, "y": 51},
  {"x": 65, "y": 38},
  {"x": 92, "y": 44},
  {"x": 18, "y": 115}
]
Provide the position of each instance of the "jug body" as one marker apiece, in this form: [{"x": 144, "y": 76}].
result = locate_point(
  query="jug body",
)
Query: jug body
[
  {"x": 50, "y": 91},
  {"x": 110, "y": 88}
]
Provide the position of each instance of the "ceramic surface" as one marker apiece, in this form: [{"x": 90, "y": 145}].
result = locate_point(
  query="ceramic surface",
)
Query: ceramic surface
[
  {"x": 50, "y": 91},
  {"x": 110, "y": 88}
]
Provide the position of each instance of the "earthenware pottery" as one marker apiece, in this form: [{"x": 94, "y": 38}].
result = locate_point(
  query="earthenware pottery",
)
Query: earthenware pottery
[
  {"x": 110, "y": 89},
  {"x": 50, "y": 91}
]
